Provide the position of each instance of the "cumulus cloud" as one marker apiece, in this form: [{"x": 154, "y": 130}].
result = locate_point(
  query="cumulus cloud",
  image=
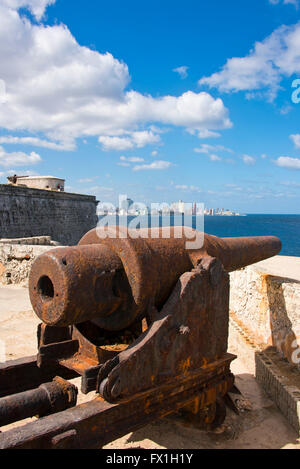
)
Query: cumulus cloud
[
  {"x": 18, "y": 158},
  {"x": 135, "y": 139},
  {"x": 36, "y": 7},
  {"x": 262, "y": 70},
  {"x": 156, "y": 165},
  {"x": 248, "y": 159},
  {"x": 37, "y": 142},
  {"x": 115, "y": 143},
  {"x": 64, "y": 91},
  {"x": 288, "y": 162},
  {"x": 182, "y": 71},
  {"x": 296, "y": 140}
]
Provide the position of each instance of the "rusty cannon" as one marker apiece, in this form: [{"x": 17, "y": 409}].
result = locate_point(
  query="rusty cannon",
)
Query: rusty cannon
[{"x": 142, "y": 317}]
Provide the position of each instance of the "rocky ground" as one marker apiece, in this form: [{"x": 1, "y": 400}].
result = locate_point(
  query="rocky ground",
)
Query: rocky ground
[{"x": 260, "y": 425}]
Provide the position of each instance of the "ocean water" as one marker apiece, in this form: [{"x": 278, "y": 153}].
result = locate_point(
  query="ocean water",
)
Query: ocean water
[{"x": 286, "y": 227}]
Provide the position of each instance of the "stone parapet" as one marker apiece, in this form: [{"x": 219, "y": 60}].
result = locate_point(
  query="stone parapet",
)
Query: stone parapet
[
  {"x": 16, "y": 261},
  {"x": 265, "y": 298}
]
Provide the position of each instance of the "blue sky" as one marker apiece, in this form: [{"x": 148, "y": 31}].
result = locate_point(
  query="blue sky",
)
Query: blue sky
[{"x": 160, "y": 100}]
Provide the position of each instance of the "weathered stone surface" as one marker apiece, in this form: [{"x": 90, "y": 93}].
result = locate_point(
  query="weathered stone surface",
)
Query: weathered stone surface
[
  {"x": 269, "y": 305},
  {"x": 26, "y": 212},
  {"x": 16, "y": 262},
  {"x": 34, "y": 241}
]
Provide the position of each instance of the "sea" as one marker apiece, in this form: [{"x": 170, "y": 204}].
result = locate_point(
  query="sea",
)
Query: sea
[{"x": 286, "y": 227}]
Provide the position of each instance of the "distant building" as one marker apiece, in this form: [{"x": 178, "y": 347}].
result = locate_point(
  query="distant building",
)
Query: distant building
[
  {"x": 49, "y": 183},
  {"x": 178, "y": 207},
  {"x": 125, "y": 205}
]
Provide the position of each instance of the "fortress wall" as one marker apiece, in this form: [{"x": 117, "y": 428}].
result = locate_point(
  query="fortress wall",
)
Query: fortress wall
[
  {"x": 27, "y": 212},
  {"x": 16, "y": 261},
  {"x": 265, "y": 300}
]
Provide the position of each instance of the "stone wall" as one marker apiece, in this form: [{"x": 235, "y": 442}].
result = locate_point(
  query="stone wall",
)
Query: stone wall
[
  {"x": 16, "y": 262},
  {"x": 26, "y": 212},
  {"x": 267, "y": 303},
  {"x": 34, "y": 241}
]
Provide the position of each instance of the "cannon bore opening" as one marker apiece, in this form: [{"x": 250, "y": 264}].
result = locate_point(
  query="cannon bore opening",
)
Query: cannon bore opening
[{"x": 46, "y": 288}]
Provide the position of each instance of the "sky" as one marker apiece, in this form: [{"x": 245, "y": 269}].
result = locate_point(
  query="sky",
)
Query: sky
[{"x": 162, "y": 101}]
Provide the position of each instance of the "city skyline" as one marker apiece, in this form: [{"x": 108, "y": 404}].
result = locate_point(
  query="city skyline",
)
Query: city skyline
[
  {"x": 128, "y": 206},
  {"x": 196, "y": 101}
]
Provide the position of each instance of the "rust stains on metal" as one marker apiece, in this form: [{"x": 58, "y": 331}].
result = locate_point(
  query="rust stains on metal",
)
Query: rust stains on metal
[
  {"x": 71, "y": 285},
  {"x": 143, "y": 320},
  {"x": 111, "y": 280},
  {"x": 47, "y": 399}
]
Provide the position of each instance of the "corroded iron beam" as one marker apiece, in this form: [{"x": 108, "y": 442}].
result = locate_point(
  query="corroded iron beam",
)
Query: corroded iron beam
[
  {"x": 96, "y": 423},
  {"x": 21, "y": 375},
  {"x": 47, "y": 399}
]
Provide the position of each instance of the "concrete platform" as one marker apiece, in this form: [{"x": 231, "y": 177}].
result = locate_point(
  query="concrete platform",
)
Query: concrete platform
[
  {"x": 18, "y": 323},
  {"x": 281, "y": 266}
]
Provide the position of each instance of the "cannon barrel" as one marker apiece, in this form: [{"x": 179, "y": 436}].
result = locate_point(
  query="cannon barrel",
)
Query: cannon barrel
[
  {"x": 112, "y": 280},
  {"x": 47, "y": 399}
]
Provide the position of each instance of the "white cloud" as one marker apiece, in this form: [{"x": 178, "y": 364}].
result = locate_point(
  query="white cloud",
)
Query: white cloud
[
  {"x": 290, "y": 183},
  {"x": 288, "y": 162},
  {"x": 208, "y": 134},
  {"x": 135, "y": 139},
  {"x": 11, "y": 172},
  {"x": 18, "y": 158},
  {"x": 132, "y": 159},
  {"x": 296, "y": 139},
  {"x": 261, "y": 71},
  {"x": 36, "y": 7},
  {"x": 156, "y": 165},
  {"x": 214, "y": 157},
  {"x": 116, "y": 143},
  {"x": 248, "y": 159},
  {"x": 182, "y": 71},
  {"x": 285, "y": 2},
  {"x": 154, "y": 153},
  {"x": 145, "y": 137},
  {"x": 186, "y": 188},
  {"x": 37, "y": 142},
  {"x": 66, "y": 91},
  {"x": 206, "y": 148}
]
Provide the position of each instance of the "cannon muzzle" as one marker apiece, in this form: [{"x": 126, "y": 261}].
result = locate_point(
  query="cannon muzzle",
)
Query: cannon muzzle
[{"x": 113, "y": 280}]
